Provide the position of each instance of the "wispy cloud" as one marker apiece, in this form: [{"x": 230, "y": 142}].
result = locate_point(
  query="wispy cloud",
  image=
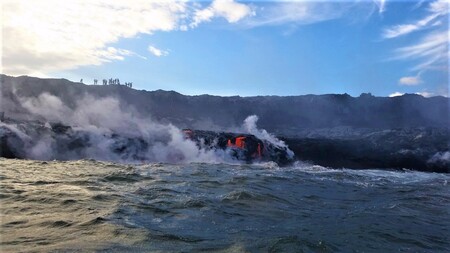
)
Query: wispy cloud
[
  {"x": 429, "y": 51},
  {"x": 399, "y": 30},
  {"x": 297, "y": 12},
  {"x": 381, "y": 4},
  {"x": 419, "y": 4},
  {"x": 157, "y": 52},
  {"x": 437, "y": 10}
]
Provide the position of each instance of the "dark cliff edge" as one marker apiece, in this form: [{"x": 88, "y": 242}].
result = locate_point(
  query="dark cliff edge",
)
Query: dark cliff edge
[{"x": 340, "y": 131}]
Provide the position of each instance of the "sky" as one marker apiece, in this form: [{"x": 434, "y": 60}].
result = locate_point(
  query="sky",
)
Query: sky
[{"x": 227, "y": 47}]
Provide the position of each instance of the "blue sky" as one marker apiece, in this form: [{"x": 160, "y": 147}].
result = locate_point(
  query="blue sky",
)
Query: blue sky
[{"x": 238, "y": 48}]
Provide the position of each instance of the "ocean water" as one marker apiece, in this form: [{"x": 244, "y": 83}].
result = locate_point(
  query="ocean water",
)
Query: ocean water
[{"x": 78, "y": 206}]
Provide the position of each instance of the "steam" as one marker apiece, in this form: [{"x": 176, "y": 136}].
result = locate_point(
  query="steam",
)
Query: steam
[
  {"x": 440, "y": 158},
  {"x": 102, "y": 126},
  {"x": 106, "y": 128},
  {"x": 251, "y": 128}
]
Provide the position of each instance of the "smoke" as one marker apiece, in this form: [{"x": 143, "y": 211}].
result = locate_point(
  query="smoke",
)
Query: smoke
[
  {"x": 104, "y": 129},
  {"x": 251, "y": 128}
]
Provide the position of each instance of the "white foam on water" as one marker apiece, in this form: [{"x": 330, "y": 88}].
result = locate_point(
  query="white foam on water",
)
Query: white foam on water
[{"x": 367, "y": 176}]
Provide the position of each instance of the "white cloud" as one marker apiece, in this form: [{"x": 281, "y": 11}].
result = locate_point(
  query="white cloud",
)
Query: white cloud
[
  {"x": 410, "y": 80},
  {"x": 53, "y": 35},
  {"x": 157, "y": 52},
  {"x": 425, "y": 94},
  {"x": 396, "y": 94},
  {"x": 440, "y": 6},
  {"x": 231, "y": 10},
  {"x": 203, "y": 15}
]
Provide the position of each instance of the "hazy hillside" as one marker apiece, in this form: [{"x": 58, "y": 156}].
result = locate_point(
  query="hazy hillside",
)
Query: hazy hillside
[{"x": 282, "y": 115}]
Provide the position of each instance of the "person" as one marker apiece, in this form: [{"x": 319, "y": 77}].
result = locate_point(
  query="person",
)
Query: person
[
  {"x": 81, "y": 81},
  {"x": 95, "y": 81}
]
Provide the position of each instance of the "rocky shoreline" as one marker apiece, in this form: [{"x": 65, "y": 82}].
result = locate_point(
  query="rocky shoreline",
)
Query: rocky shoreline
[{"x": 421, "y": 149}]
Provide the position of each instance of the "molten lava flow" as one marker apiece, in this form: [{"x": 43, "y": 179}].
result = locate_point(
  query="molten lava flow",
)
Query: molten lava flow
[{"x": 240, "y": 142}]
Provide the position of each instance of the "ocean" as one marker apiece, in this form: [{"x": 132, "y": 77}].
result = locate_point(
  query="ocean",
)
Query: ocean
[{"x": 88, "y": 205}]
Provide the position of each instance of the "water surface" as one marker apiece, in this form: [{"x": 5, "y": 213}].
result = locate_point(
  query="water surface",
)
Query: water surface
[{"x": 96, "y": 206}]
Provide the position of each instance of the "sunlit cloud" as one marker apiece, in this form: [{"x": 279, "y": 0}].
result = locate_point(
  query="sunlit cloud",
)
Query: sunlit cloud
[
  {"x": 396, "y": 94},
  {"x": 410, "y": 80},
  {"x": 231, "y": 10},
  {"x": 51, "y": 35}
]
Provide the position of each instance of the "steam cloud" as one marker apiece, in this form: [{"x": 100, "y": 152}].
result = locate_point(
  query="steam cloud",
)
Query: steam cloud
[
  {"x": 251, "y": 128},
  {"x": 106, "y": 125},
  {"x": 106, "y": 129}
]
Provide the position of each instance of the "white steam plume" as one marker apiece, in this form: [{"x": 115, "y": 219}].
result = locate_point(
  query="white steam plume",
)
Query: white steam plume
[{"x": 251, "y": 128}]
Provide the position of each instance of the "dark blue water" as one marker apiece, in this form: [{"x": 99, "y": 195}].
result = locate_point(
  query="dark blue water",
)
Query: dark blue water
[{"x": 95, "y": 206}]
